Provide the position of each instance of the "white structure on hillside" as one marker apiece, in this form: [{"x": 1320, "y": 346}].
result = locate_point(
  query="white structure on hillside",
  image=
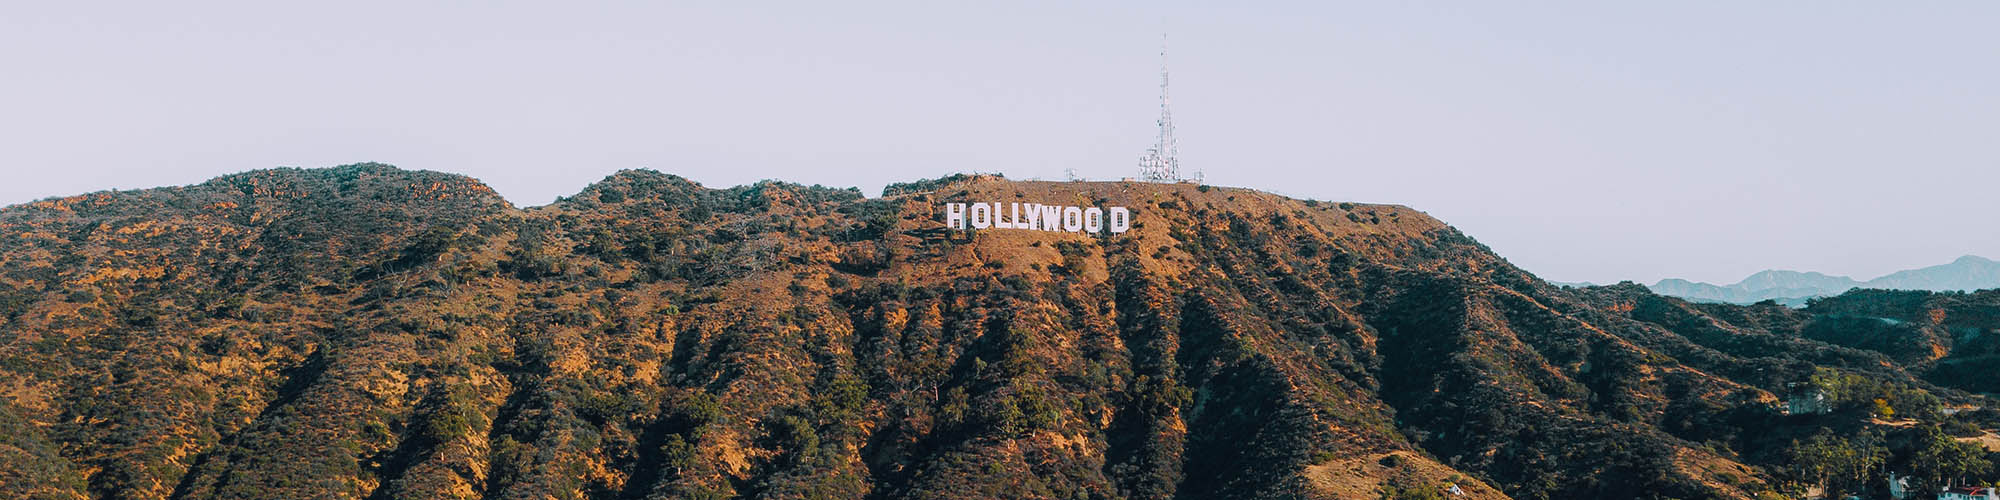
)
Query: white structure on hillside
[
  {"x": 1162, "y": 163},
  {"x": 1807, "y": 400},
  {"x": 1899, "y": 487},
  {"x": 1968, "y": 493}
]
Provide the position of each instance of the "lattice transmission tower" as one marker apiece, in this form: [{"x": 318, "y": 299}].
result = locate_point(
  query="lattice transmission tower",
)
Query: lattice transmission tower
[{"x": 1162, "y": 163}]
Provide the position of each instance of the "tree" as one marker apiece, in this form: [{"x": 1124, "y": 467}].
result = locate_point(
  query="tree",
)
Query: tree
[
  {"x": 1939, "y": 458},
  {"x": 1419, "y": 493},
  {"x": 1836, "y": 464}
]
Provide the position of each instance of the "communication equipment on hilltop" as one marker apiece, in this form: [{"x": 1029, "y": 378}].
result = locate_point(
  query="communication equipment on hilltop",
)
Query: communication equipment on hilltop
[{"x": 1162, "y": 163}]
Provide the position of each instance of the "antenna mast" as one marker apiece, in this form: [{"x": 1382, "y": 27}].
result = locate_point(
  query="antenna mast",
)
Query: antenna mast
[{"x": 1162, "y": 163}]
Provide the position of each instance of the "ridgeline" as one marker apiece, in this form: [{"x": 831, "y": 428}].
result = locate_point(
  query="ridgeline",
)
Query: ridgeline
[{"x": 370, "y": 332}]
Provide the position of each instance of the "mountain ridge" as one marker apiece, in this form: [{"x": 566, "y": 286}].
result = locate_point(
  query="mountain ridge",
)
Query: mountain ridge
[
  {"x": 1967, "y": 273},
  {"x": 371, "y": 332}
]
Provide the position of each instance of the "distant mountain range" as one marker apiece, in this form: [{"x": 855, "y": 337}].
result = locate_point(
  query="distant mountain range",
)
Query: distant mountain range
[{"x": 1794, "y": 287}]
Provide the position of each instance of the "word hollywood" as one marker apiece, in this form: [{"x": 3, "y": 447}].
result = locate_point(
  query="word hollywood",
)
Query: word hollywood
[{"x": 1036, "y": 217}]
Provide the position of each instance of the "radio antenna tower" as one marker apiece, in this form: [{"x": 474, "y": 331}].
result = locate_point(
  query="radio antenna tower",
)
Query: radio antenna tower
[{"x": 1162, "y": 163}]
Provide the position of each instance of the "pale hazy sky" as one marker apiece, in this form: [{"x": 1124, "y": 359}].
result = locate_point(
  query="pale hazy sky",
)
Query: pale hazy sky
[{"x": 1582, "y": 140}]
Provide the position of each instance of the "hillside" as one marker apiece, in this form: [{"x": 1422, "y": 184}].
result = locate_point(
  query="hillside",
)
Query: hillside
[{"x": 370, "y": 332}]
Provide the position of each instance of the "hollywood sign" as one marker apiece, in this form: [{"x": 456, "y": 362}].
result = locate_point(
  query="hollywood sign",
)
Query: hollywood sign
[{"x": 1036, "y": 217}]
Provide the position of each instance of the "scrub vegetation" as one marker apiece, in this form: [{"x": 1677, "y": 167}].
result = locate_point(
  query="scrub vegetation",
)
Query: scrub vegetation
[{"x": 370, "y": 332}]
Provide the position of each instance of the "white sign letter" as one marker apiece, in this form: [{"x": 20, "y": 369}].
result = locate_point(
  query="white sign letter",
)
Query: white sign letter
[
  {"x": 982, "y": 216},
  {"x": 1072, "y": 219},
  {"x": 1121, "y": 220},
  {"x": 1093, "y": 219},
  {"x": 954, "y": 215},
  {"x": 1051, "y": 214}
]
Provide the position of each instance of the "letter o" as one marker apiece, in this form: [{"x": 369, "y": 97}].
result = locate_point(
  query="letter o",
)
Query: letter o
[
  {"x": 982, "y": 216},
  {"x": 1072, "y": 219},
  {"x": 1093, "y": 219}
]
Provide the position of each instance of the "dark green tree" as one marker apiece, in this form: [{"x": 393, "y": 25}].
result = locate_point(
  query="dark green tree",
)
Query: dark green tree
[
  {"x": 1938, "y": 459},
  {"x": 1837, "y": 464}
]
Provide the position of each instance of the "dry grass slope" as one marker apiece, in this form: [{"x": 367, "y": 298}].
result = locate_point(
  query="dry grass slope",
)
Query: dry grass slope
[{"x": 369, "y": 332}]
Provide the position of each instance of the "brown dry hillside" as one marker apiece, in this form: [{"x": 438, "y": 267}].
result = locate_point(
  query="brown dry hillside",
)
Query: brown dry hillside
[{"x": 370, "y": 332}]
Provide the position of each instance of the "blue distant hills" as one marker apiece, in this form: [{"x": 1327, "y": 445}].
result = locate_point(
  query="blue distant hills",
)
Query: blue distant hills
[{"x": 1794, "y": 287}]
